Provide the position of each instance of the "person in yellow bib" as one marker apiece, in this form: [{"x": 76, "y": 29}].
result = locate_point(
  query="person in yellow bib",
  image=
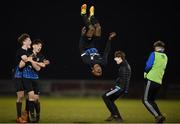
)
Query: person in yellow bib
[{"x": 154, "y": 72}]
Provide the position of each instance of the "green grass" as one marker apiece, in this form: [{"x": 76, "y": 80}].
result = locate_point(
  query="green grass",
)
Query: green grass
[{"x": 87, "y": 110}]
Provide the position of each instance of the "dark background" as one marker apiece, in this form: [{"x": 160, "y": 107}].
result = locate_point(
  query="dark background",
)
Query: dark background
[{"x": 58, "y": 23}]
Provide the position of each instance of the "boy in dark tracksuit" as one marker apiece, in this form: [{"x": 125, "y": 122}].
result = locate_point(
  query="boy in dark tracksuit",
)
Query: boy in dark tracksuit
[
  {"x": 154, "y": 72},
  {"x": 120, "y": 88}
]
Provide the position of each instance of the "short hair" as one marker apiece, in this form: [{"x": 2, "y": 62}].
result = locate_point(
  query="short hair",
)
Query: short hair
[
  {"x": 37, "y": 41},
  {"x": 120, "y": 54},
  {"x": 23, "y": 37},
  {"x": 159, "y": 44}
]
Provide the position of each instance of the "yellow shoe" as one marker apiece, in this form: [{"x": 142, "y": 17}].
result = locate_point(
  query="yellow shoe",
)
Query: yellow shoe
[
  {"x": 91, "y": 11},
  {"x": 83, "y": 9}
]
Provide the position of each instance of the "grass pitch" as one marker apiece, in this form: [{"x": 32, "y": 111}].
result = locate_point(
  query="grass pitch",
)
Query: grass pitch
[{"x": 90, "y": 110}]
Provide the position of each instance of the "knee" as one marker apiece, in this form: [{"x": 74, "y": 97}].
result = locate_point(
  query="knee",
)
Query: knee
[
  {"x": 31, "y": 96},
  {"x": 20, "y": 97},
  {"x": 36, "y": 98},
  {"x": 143, "y": 100},
  {"x": 146, "y": 101},
  {"x": 104, "y": 97}
]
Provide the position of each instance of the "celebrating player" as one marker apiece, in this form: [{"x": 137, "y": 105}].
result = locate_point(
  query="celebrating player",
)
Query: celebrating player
[
  {"x": 154, "y": 72},
  {"x": 90, "y": 35},
  {"x": 21, "y": 55},
  {"x": 120, "y": 88},
  {"x": 42, "y": 63}
]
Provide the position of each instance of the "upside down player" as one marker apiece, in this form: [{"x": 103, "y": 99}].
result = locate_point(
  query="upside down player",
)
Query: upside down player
[
  {"x": 90, "y": 35},
  {"x": 42, "y": 63},
  {"x": 120, "y": 88}
]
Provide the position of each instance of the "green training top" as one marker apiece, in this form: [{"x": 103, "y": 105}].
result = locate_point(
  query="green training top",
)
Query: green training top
[{"x": 158, "y": 68}]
